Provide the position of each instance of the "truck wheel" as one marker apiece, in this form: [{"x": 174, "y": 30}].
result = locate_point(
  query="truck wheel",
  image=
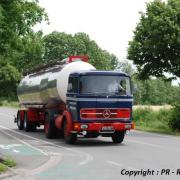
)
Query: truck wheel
[
  {"x": 70, "y": 138},
  {"x": 20, "y": 124},
  {"x": 27, "y": 126},
  {"x": 118, "y": 136},
  {"x": 49, "y": 127}
]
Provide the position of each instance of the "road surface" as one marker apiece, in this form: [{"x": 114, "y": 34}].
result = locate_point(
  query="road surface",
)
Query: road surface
[{"x": 142, "y": 155}]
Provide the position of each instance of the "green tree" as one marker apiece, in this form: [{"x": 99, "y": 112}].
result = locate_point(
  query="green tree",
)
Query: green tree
[
  {"x": 58, "y": 45},
  {"x": 9, "y": 77},
  {"x": 126, "y": 67},
  {"x": 155, "y": 47},
  {"x": 155, "y": 91},
  {"x": 20, "y": 47},
  {"x": 17, "y": 17},
  {"x": 31, "y": 54}
]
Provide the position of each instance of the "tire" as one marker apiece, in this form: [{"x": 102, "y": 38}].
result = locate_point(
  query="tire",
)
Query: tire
[
  {"x": 118, "y": 136},
  {"x": 60, "y": 134},
  {"x": 33, "y": 127},
  {"x": 27, "y": 126},
  {"x": 20, "y": 123},
  {"x": 70, "y": 138},
  {"x": 49, "y": 126}
]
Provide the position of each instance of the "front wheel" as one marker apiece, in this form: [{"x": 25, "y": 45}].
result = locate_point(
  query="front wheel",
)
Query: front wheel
[
  {"x": 118, "y": 136},
  {"x": 70, "y": 138}
]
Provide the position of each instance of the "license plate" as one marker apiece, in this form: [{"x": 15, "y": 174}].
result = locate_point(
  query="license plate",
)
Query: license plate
[{"x": 107, "y": 128}]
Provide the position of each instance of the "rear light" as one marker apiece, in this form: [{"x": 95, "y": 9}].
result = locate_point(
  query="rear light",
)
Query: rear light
[{"x": 121, "y": 113}]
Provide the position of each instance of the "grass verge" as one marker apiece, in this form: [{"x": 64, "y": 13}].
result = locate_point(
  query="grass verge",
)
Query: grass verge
[
  {"x": 153, "y": 121},
  {"x": 9, "y": 102},
  {"x": 157, "y": 130},
  {"x": 6, "y": 163}
]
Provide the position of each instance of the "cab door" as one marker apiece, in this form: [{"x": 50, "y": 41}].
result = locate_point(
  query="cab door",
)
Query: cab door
[{"x": 72, "y": 100}]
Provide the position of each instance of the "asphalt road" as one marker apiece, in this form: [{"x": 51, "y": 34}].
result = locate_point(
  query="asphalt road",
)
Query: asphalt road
[{"x": 141, "y": 156}]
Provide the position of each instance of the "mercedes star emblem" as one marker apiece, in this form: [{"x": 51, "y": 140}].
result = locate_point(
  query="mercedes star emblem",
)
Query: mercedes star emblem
[{"x": 107, "y": 113}]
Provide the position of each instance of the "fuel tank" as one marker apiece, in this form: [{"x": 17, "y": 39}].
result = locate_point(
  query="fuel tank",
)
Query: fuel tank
[{"x": 49, "y": 86}]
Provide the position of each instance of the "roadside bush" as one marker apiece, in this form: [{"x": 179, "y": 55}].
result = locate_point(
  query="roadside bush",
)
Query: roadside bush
[
  {"x": 174, "y": 120},
  {"x": 9, "y": 101},
  {"x": 146, "y": 118},
  {"x": 9, "y": 79}
]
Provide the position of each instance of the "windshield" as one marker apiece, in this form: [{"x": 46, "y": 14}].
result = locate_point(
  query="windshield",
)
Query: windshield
[{"x": 110, "y": 85}]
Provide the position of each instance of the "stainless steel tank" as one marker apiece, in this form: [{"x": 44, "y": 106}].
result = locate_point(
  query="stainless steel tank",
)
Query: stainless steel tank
[{"x": 44, "y": 87}]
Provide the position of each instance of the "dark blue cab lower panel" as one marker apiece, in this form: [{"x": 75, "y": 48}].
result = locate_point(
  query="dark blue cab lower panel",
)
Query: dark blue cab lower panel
[{"x": 75, "y": 104}]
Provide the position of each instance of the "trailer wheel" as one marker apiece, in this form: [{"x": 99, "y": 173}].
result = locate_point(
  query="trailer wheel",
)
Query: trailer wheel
[
  {"x": 118, "y": 136},
  {"x": 27, "y": 126},
  {"x": 70, "y": 138},
  {"x": 20, "y": 123},
  {"x": 49, "y": 127}
]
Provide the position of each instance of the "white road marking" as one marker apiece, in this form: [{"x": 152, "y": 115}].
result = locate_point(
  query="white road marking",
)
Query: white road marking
[
  {"x": 115, "y": 163},
  {"x": 15, "y": 151},
  {"x": 122, "y": 165},
  {"x": 158, "y": 135},
  {"x": 23, "y": 142},
  {"x": 88, "y": 157},
  {"x": 136, "y": 131},
  {"x": 55, "y": 154},
  {"x": 9, "y": 146},
  {"x": 153, "y": 145},
  {"x": 53, "y": 161}
]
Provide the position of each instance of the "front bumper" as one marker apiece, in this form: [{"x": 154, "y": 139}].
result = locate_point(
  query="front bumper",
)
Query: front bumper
[{"x": 116, "y": 126}]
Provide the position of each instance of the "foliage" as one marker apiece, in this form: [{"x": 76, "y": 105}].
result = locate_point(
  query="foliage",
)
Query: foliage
[
  {"x": 9, "y": 162},
  {"x": 17, "y": 17},
  {"x": 147, "y": 119},
  {"x": 9, "y": 77},
  {"x": 31, "y": 54},
  {"x": 125, "y": 66},
  {"x": 9, "y": 101},
  {"x": 155, "y": 92},
  {"x": 20, "y": 47},
  {"x": 155, "y": 45},
  {"x": 3, "y": 168},
  {"x": 174, "y": 120},
  {"x": 60, "y": 45},
  {"x": 5, "y": 163}
]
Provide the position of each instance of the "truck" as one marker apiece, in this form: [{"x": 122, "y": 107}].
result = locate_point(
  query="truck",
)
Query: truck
[{"x": 72, "y": 99}]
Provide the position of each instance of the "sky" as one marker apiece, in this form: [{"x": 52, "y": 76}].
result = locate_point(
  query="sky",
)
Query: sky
[{"x": 109, "y": 22}]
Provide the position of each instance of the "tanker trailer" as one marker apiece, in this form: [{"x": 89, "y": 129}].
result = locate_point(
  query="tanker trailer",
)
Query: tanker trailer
[{"x": 71, "y": 98}]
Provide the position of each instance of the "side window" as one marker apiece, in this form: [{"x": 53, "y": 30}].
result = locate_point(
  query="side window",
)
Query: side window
[
  {"x": 73, "y": 85},
  {"x": 122, "y": 87}
]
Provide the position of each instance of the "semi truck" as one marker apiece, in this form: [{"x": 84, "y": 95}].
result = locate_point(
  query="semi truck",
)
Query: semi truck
[{"x": 72, "y": 99}]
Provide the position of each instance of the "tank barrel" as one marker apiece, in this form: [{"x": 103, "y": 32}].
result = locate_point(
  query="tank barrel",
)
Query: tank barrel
[
  {"x": 56, "y": 64},
  {"x": 47, "y": 84}
]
